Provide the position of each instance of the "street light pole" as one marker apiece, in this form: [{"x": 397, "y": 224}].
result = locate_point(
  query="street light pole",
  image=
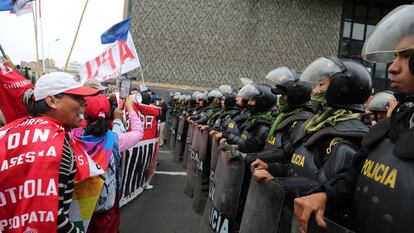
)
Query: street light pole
[{"x": 48, "y": 53}]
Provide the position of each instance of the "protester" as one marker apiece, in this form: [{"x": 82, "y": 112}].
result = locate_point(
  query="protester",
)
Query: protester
[
  {"x": 380, "y": 176},
  {"x": 134, "y": 90},
  {"x": 96, "y": 138},
  {"x": 93, "y": 83},
  {"x": 57, "y": 106},
  {"x": 13, "y": 87}
]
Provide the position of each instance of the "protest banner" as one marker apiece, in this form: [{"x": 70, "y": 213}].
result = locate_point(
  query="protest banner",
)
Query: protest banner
[
  {"x": 118, "y": 58},
  {"x": 139, "y": 162},
  {"x": 12, "y": 89}
]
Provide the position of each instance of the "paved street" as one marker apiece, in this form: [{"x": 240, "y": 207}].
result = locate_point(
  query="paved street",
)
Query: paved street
[{"x": 165, "y": 208}]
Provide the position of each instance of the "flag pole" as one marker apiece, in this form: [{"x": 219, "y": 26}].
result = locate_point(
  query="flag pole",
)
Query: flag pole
[
  {"x": 34, "y": 11},
  {"x": 140, "y": 69},
  {"x": 76, "y": 35},
  {"x": 42, "y": 37},
  {"x": 2, "y": 51}
]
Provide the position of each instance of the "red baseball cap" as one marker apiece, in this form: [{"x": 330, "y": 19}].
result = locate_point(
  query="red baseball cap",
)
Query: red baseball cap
[{"x": 98, "y": 106}]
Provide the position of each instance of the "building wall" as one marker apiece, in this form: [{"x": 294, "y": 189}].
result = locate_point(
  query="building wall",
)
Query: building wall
[{"x": 208, "y": 43}]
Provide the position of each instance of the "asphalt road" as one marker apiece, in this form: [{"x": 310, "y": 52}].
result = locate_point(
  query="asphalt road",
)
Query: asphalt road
[{"x": 165, "y": 208}]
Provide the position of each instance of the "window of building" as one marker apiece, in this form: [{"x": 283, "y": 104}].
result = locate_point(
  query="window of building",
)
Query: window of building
[{"x": 358, "y": 21}]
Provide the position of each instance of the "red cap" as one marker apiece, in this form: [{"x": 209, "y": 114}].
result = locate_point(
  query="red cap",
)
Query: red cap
[{"x": 97, "y": 105}]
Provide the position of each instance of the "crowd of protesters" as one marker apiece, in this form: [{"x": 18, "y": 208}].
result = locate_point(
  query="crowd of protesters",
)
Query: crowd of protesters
[{"x": 65, "y": 111}]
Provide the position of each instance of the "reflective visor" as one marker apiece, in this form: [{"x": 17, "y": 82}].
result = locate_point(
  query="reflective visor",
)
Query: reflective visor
[
  {"x": 317, "y": 70},
  {"x": 394, "y": 33},
  {"x": 281, "y": 75}
]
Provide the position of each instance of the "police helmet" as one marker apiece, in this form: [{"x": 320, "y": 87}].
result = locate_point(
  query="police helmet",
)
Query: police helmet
[
  {"x": 187, "y": 98},
  {"x": 379, "y": 102},
  {"x": 394, "y": 33},
  {"x": 350, "y": 82},
  {"x": 215, "y": 94},
  {"x": 226, "y": 89},
  {"x": 261, "y": 93},
  {"x": 287, "y": 83}
]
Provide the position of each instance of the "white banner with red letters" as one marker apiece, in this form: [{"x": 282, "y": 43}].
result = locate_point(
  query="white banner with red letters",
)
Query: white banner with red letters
[{"x": 118, "y": 58}]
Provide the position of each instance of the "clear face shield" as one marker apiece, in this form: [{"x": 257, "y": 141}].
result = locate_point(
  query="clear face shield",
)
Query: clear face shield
[
  {"x": 318, "y": 71},
  {"x": 215, "y": 94},
  {"x": 394, "y": 33},
  {"x": 281, "y": 75},
  {"x": 248, "y": 92},
  {"x": 226, "y": 89},
  {"x": 379, "y": 102},
  {"x": 245, "y": 81}
]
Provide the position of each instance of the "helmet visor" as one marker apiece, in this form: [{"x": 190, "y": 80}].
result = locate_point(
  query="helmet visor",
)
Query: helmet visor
[
  {"x": 245, "y": 81},
  {"x": 226, "y": 89},
  {"x": 379, "y": 102},
  {"x": 319, "y": 69},
  {"x": 215, "y": 94},
  {"x": 281, "y": 75},
  {"x": 248, "y": 91},
  {"x": 394, "y": 33}
]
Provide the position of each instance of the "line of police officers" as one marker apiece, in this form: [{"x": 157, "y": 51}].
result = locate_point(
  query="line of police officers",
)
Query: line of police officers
[{"x": 313, "y": 145}]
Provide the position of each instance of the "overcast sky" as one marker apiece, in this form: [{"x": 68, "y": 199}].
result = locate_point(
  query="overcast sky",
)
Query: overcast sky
[{"x": 60, "y": 20}]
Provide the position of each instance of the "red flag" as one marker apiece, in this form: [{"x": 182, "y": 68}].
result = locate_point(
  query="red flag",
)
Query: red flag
[
  {"x": 30, "y": 156},
  {"x": 12, "y": 88}
]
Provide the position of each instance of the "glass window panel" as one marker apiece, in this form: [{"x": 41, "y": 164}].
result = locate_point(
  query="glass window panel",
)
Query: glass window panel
[
  {"x": 380, "y": 70},
  {"x": 358, "y": 31},
  {"x": 370, "y": 28},
  {"x": 347, "y": 29}
]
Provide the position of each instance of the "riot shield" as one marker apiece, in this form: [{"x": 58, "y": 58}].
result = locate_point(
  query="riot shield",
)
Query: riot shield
[
  {"x": 313, "y": 227},
  {"x": 202, "y": 174},
  {"x": 168, "y": 123},
  {"x": 174, "y": 125},
  {"x": 178, "y": 149},
  {"x": 187, "y": 148},
  {"x": 215, "y": 151},
  {"x": 224, "y": 197},
  {"x": 263, "y": 207},
  {"x": 191, "y": 164}
]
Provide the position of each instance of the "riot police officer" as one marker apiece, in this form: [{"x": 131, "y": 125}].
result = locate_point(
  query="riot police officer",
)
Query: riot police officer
[
  {"x": 256, "y": 127},
  {"x": 214, "y": 98},
  {"x": 380, "y": 176},
  {"x": 287, "y": 129},
  {"x": 233, "y": 127},
  {"x": 228, "y": 104},
  {"x": 334, "y": 134}
]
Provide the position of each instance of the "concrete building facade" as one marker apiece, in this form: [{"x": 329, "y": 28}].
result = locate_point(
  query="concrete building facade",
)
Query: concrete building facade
[{"x": 208, "y": 43}]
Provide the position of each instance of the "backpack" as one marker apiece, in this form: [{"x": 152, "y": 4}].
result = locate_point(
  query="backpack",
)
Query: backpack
[{"x": 111, "y": 179}]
